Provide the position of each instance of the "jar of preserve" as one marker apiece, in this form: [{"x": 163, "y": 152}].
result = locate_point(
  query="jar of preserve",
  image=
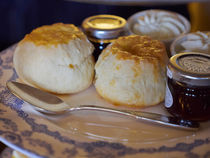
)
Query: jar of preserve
[
  {"x": 188, "y": 86},
  {"x": 103, "y": 29}
]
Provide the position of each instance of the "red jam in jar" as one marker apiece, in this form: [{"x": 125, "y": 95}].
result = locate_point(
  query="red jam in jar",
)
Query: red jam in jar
[
  {"x": 101, "y": 30},
  {"x": 188, "y": 86}
]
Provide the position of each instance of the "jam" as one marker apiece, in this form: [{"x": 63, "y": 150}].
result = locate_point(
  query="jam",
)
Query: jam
[
  {"x": 99, "y": 46},
  {"x": 189, "y": 102},
  {"x": 188, "y": 86},
  {"x": 101, "y": 30}
]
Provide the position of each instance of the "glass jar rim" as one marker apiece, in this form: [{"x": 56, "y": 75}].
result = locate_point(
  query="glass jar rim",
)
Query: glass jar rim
[
  {"x": 178, "y": 72},
  {"x": 104, "y": 26}
]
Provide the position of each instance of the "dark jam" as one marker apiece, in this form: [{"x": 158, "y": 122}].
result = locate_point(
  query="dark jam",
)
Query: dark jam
[
  {"x": 189, "y": 102},
  {"x": 99, "y": 46}
]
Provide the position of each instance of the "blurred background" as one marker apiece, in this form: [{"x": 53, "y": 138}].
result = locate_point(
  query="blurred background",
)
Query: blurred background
[{"x": 19, "y": 17}]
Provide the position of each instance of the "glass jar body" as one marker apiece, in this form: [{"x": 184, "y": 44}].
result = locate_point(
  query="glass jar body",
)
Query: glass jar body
[
  {"x": 99, "y": 46},
  {"x": 187, "y": 101}
]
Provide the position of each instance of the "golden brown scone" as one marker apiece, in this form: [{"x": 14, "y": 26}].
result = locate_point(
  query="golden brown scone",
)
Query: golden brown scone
[
  {"x": 57, "y": 58},
  {"x": 131, "y": 71}
]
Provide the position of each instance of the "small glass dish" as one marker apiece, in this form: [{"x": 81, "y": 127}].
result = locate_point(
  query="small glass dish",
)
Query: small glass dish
[
  {"x": 191, "y": 42},
  {"x": 159, "y": 20}
]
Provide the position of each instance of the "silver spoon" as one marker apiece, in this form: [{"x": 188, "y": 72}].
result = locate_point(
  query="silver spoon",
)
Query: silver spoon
[{"x": 50, "y": 104}]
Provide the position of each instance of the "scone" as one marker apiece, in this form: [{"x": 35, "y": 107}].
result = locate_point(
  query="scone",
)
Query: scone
[
  {"x": 131, "y": 71},
  {"x": 57, "y": 58}
]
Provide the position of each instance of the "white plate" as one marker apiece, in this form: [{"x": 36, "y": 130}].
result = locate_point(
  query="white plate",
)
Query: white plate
[{"x": 89, "y": 133}]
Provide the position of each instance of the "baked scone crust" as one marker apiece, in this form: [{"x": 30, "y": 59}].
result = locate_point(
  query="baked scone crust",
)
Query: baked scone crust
[
  {"x": 131, "y": 71},
  {"x": 57, "y": 58},
  {"x": 54, "y": 34}
]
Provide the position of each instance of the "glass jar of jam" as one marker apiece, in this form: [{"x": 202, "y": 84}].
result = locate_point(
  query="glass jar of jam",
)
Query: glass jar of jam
[
  {"x": 188, "y": 86},
  {"x": 101, "y": 30}
]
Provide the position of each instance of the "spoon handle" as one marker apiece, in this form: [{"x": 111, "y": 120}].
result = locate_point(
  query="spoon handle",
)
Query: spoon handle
[
  {"x": 146, "y": 116},
  {"x": 50, "y": 104}
]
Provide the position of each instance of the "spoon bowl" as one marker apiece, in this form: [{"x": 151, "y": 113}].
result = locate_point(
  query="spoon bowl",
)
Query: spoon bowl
[{"x": 48, "y": 103}]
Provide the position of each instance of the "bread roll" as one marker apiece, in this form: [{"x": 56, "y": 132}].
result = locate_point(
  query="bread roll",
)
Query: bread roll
[
  {"x": 131, "y": 71},
  {"x": 57, "y": 58}
]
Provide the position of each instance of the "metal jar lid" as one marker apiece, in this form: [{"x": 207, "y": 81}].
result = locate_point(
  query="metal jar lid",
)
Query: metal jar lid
[
  {"x": 104, "y": 26},
  {"x": 191, "y": 68}
]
